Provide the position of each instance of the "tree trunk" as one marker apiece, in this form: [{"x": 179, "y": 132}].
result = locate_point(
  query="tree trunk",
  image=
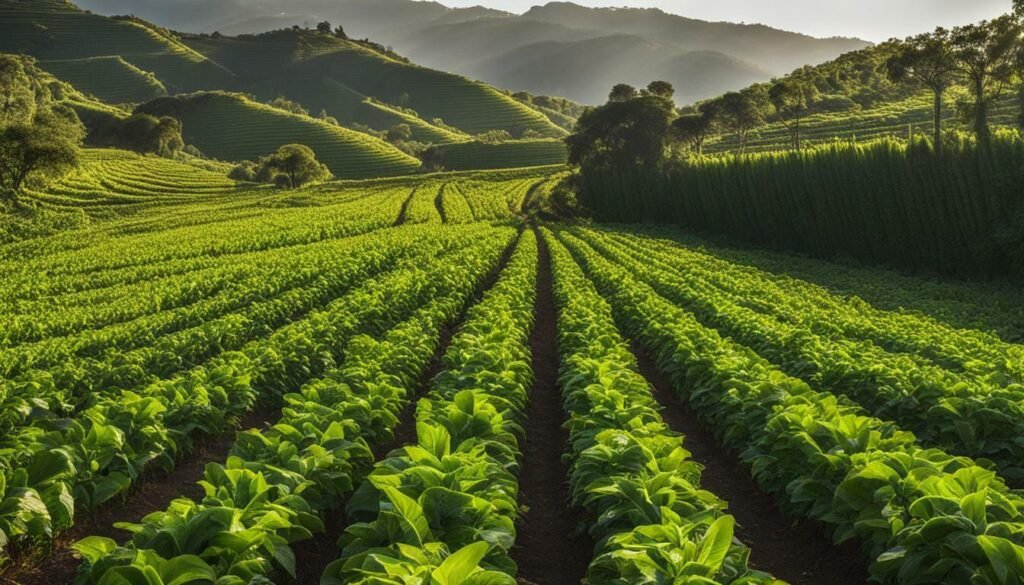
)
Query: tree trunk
[
  {"x": 981, "y": 114},
  {"x": 937, "y": 145},
  {"x": 797, "y": 134}
]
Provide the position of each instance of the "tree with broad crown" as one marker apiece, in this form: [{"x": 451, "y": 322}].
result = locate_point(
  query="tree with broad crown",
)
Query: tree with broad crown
[
  {"x": 927, "y": 59},
  {"x": 742, "y": 111},
  {"x": 693, "y": 130},
  {"x": 296, "y": 163},
  {"x": 324, "y": 27},
  {"x": 662, "y": 89},
  {"x": 46, "y": 146},
  {"x": 985, "y": 56},
  {"x": 622, "y": 92},
  {"x": 623, "y": 132}
]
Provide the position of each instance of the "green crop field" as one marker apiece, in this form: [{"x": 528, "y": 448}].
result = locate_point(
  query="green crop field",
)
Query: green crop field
[
  {"x": 306, "y": 352},
  {"x": 465, "y": 156},
  {"x": 287, "y": 308}
]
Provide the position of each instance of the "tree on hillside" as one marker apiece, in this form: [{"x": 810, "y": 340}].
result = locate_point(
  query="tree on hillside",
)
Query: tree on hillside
[
  {"x": 662, "y": 89},
  {"x": 287, "y": 105},
  {"x": 985, "y": 56},
  {"x": 399, "y": 133},
  {"x": 693, "y": 130},
  {"x": 148, "y": 134},
  {"x": 629, "y": 132},
  {"x": 340, "y": 32},
  {"x": 46, "y": 145},
  {"x": 927, "y": 59},
  {"x": 324, "y": 27},
  {"x": 742, "y": 111},
  {"x": 622, "y": 92},
  {"x": 791, "y": 97},
  {"x": 293, "y": 165}
]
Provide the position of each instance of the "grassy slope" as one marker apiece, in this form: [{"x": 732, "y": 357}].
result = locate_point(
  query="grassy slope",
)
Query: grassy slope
[
  {"x": 57, "y": 31},
  {"x": 310, "y": 58},
  {"x": 231, "y": 127},
  {"x": 111, "y": 79}
]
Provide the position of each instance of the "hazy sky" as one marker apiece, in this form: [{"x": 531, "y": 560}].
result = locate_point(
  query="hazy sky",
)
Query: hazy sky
[{"x": 874, "y": 20}]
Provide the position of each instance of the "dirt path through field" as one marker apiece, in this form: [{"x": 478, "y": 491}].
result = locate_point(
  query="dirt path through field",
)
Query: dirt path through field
[
  {"x": 796, "y": 552},
  {"x": 548, "y": 550}
]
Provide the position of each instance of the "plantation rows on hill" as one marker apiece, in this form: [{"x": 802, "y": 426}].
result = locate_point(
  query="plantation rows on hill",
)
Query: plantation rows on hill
[
  {"x": 900, "y": 119},
  {"x": 399, "y": 365}
]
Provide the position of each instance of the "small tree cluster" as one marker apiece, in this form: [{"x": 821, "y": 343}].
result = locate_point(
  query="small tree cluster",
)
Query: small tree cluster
[
  {"x": 292, "y": 166},
  {"x": 141, "y": 133}
]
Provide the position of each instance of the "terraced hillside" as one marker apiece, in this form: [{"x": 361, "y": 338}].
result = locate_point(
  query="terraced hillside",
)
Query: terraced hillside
[
  {"x": 111, "y": 79},
  {"x": 114, "y": 182},
  {"x": 56, "y": 30},
  {"x": 896, "y": 119},
  {"x": 233, "y": 128}
]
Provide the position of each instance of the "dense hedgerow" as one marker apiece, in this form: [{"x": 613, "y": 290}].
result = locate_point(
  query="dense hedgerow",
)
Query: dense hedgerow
[{"x": 888, "y": 202}]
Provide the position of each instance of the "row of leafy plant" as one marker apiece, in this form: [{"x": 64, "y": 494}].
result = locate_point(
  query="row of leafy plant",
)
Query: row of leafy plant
[
  {"x": 52, "y": 469},
  {"x": 928, "y": 334},
  {"x": 442, "y": 511},
  {"x": 279, "y": 482},
  {"x": 70, "y": 379},
  {"x": 652, "y": 521},
  {"x": 921, "y": 515},
  {"x": 992, "y": 310},
  {"x": 979, "y": 413}
]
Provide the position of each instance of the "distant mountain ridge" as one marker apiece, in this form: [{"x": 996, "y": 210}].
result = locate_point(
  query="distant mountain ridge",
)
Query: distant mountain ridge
[{"x": 575, "y": 50}]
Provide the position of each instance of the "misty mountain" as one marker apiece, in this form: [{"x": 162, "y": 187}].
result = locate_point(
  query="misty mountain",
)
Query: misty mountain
[{"x": 556, "y": 49}]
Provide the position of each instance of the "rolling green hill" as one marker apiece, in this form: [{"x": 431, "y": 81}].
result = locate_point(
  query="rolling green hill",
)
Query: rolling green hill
[
  {"x": 289, "y": 61},
  {"x": 361, "y": 84},
  {"x": 234, "y": 128},
  {"x": 53, "y": 30},
  {"x": 111, "y": 79},
  {"x": 472, "y": 41}
]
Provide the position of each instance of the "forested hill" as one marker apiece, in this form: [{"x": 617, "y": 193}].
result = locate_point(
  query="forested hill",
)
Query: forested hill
[{"x": 559, "y": 48}]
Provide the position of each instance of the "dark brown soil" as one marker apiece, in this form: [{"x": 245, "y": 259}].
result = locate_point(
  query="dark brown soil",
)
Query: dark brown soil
[
  {"x": 439, "y": 204},
  {"x": 549, "y": 549},
  {"x": 313, "y": 556},
  {"x": 153, "y": 494},
  {"x": 403, "y": 215},
  {"x": 792, "y": 550}
]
